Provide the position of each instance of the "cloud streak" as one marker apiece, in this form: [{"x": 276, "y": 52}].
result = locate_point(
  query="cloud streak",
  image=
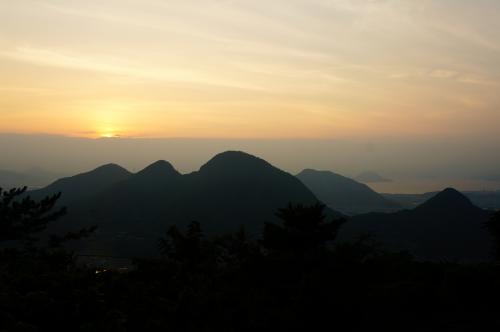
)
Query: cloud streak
[{"x": 115, "y": 66}]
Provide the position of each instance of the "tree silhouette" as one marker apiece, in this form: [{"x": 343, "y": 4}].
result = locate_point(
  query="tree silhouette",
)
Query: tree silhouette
[
  {"x": 186, "y": 247},
  {"x": 304, "y": 228},
  {"x": 22, "y": 217},
  {"x": 493, "y": 226},
  {"x": 290, "y": 280}
]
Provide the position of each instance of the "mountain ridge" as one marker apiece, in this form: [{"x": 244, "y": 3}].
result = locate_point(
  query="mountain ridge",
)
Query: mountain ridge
[
  {"x": 343, "y": 193},
  {"x": 231, "y": 190},
  {"x": 84, "y": 184},
  {"x": 448, "y": 199},
  {"x": 453, "y": 232}
]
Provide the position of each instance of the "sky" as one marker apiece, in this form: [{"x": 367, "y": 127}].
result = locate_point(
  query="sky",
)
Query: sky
[{"x": 240, "y": 69}]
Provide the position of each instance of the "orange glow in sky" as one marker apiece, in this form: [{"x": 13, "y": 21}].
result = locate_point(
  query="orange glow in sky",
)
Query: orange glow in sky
[{"x": 250, "y": 69}]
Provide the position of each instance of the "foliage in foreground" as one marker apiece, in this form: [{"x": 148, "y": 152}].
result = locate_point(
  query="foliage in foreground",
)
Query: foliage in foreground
[{"x": 292, "y": 279}]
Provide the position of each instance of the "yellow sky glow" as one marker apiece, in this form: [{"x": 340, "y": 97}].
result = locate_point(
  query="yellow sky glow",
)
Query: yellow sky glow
[{"x": 250, "y": 69}]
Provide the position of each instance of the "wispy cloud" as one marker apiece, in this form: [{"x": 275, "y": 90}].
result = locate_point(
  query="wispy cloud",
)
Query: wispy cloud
[
  {"x": 314, "y": 64},
  {"x": 115, "y": 66}
]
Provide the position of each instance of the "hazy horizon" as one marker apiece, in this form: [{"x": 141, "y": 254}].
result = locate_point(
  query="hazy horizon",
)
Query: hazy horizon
[{"x": 413, "y": 165}]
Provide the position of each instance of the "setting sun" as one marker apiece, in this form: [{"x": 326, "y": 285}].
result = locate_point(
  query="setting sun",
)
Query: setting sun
[
  {"x": 229, "y": 70},
  {"x": 109, "y": 135}
]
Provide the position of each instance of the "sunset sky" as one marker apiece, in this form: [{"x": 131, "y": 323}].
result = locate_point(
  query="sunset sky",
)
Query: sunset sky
[{"x": 251, "y": 69}]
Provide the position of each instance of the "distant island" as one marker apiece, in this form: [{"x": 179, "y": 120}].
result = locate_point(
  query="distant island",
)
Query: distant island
[{"x": 371, "y": 177}]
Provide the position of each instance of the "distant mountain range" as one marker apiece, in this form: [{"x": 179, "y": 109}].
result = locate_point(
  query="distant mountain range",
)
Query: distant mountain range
[
  {"x": 484, "y": 199},
  {"x": 446, "y": 227},
  {"x": 371, "y": 177},
  {"x": 344, "y": 194},
  {"x": 233, "y": 189},
  {"x": 84, "y": 185}
]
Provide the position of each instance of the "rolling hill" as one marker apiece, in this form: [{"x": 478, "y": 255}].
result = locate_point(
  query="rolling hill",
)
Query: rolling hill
[
  {"x": 345, "y": 194},
  {"x": 231, "y": 190},
  {"x": 445, "y": 227},
  {"x": 84, "y": 185},
  {"x": 484, "y": 199}
]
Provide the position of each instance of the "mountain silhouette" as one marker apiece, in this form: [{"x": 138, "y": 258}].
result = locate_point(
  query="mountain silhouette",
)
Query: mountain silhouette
[
  {"x": 84, "y": 185},
  {"x": 345, "y": 194},
  {"x": 231, "y": 190},
  {"x": 154, "y": 176},
  {"x": 237, "y": 186},
  {"x": 485, "y": 199},
  {"x": 160, "y": 169},
  {"x": 445, "y": 227},
  {"x": 235, "y": 163},
  {"x": 447, "y": 201}
]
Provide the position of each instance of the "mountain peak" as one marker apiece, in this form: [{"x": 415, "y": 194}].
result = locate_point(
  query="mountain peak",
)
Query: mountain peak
[
  {"x": 343, "y": 193},
  {"x": 449, "y": 199},
  {"x": 160, "y": 168},
  {"x": 231, "y": 161},
  {"x": 109, "y": 168},
  {"x": 85, "y": 184}
]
